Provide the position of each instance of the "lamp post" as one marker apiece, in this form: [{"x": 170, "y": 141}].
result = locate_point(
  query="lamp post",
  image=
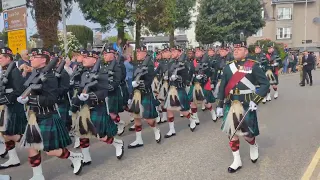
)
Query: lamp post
[
  {"x": 305, "y": 24},
  {"x": 63, "y": 14}
]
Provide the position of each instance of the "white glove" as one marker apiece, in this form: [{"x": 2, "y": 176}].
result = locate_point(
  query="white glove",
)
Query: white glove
[
  {"x": 199, "y": 76},
  {"x": 305, "y": 63},
  {"x": 83, "y": 97},
  {"x": 253, "y": 106},
  {"x": 173, "y": 77},
  {"x": 212, "y": 86},
  {"x": 165, "y": 78},
  {"x": 135, "y": 84},
  {"x": 275, "y": 64},
  {"x": 219, "y": 112},
  {"x": 129, "y": 101},
  {"x": 22, "y": 100}
]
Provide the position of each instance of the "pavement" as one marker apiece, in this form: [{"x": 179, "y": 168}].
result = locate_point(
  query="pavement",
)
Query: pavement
[{"x": 289, "y": 143}]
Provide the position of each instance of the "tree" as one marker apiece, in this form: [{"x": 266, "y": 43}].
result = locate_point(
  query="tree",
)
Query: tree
[
  {"x": 107, "y": 12},
  {"x": 73, "y": 43},
  {"x": 47, "y": 16},
  {"x": 112, "y": 39},
  {"x": 4, "y": 37},
  {"x": 224, "y": 20},
  {"x": 83, "y": 33}
]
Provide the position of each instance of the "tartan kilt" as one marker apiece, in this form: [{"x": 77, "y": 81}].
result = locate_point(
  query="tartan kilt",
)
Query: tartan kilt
[
  {"x": 103, "y": 123},
  {"x": 125, "y": 94},
  {"x": 251, "y": 120},
  {"x": 54, "y": 132},
  {"x": 208, "y": 95},
  {"x": 183, "y": 98},
  {"x": 149, "y": 104},
  {"x": 17, "y": 120},
  {"x": 64, "y": 112},
  {"x": 115, "y": 102}
]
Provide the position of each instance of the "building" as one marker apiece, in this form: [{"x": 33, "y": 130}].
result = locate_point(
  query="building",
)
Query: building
[{"x": 285, "y": 23}]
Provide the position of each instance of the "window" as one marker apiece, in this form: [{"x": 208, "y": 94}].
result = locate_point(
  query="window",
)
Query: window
[
  {"x": 284, "y": 33},
  {"x": 262, "y": 13},
  {"x": 258, "y": 34},
  {"x": 284, "y": 13}
]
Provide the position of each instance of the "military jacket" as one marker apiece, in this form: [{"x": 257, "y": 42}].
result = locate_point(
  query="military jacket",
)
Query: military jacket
[
  {"x": 162, "y": 69},
  {"x": 271, "y": 59},
  {"x": 183, "y": 75},
  {"x": 218, "y": 69},
  {"x": 244, "y": 91},
  {"x": 13, "y": 88},
  {"x": 63, "y": 85},
  {"x": 145, "y": 76},
  {"x": 191, "y": 69}
]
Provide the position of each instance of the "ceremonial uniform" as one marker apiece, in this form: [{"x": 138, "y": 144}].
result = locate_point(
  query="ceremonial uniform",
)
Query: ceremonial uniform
[
  {"x": 45, "y": 130},
  {"x": 271, "y": 67},
  {"x": 177, "y": 98},
  {"x": 143, "y": 104},
  {"x": 13, "y": 120},
  {"x": 237, "y": 87}
]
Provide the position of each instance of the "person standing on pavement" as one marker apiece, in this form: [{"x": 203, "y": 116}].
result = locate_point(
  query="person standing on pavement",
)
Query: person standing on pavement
[
  {"x": 24, "y": 64},
  {"x": 238, "y": 89},
  {"x": 308, "y": 65}
]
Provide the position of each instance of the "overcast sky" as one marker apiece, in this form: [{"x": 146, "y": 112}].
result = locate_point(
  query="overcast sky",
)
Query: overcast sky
[{"x": 76, "y": 17}]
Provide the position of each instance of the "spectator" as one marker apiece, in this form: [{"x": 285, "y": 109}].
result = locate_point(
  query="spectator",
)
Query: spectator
[
  {"x": 285, "y": 64},
  {"x": 24, "y": 64},
  {"x": 129, "y": 73},
  {"x": 117, "y": 46},
  {"x": 290, "y": 61},
  {"x": 127, "y": 50}
]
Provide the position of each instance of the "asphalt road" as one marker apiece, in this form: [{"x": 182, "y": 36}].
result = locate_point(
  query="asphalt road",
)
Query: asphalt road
[{"x": 289, "y": 139}]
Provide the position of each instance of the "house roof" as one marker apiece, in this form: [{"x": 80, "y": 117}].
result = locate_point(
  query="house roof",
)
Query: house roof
[
  {"x": 310, "y": 49},
  {"x": 163, "y": 39},
  {"x": 291, "y": 1}
]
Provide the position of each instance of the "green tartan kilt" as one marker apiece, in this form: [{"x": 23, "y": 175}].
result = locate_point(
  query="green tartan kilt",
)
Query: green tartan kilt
[
  {"x": 125, "y": 94},
  {"x": 149, "y": 104},
  {"x": 64, "y": 113},
  {"x": 17, "y": 120},
  {"x": 183, "y": 98},
  {"x": 103, "y": 123},
  {"x": 115, "y": 102},
  {"x": 208, "y": 95},
  {"x": 251, "y": 120},
  {"x": 54, "y": 133}
]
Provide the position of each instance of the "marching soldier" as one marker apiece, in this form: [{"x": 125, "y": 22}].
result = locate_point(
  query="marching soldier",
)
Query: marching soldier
[
  {"x": 14, "y": 119},
  {"x": 95, "y": 102},
  {"x": 222, "y": 60},
  {"x": 272, "y": 70},
  {"x": 45, "y": 130},
  {"x": 240, "y": 116},
  {"x": 143, "y": 104},
  {"x": 177, "y": 98}
]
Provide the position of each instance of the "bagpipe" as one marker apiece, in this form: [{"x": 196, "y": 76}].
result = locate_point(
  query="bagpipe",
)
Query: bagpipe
[
  {"x": 136, "y": 107},
  {"x": 201, "y": 77},
  {"x": 82, "y": 125},
  {"x": 270, "y": 72},
  {"x": 172, "y": 99},
  {"x": 32, "y": 136},
  {"x": 4, "y": 113}
]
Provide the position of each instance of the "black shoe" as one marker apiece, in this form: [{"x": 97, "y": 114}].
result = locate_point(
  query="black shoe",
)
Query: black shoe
[
  {"x": 169, "y": 136},
  {"x": 302, "y": 85},
  {"x": 134, "y": 146},
  {"x": 230, "y": 170}
]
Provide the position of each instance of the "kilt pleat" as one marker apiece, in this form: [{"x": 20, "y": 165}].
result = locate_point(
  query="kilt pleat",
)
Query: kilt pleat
[
  {"x": 184, "y": 100},
  {"x": 17, "y": 121},
  {"x": 209, "y": 96},
  {"x": 125, "y": 94},
  {"x": 64, "y": 113},
  {"x": 54, "y": 133},
  {"x": 251, "y": 120},
  {"x": 115, "y": 102},
  {"x": 149, "y": 104},
  {"x": 103, "y": 123}
]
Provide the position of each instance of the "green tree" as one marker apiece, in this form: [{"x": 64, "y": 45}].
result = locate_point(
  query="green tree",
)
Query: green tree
[
  {"x": 4, "y": 37},
  {"x": 83, "y": 33},
  {"x": 224, "y": 20},
  {"x": 112, "y": 39},
  {"x": 107, "y": 12},
  {"x": 47, "y": 14}
]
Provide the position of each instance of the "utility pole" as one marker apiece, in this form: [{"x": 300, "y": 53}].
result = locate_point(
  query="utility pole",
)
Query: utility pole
[
  {"x": 305, "y": 25},
  {"x": 63, "y": 14}
]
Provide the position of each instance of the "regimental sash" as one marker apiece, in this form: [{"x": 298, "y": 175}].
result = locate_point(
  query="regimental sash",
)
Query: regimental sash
[{"x": 237, "y": 77}]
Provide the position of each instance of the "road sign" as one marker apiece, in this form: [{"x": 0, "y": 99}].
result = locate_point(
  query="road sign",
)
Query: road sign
[
  {"x": 17, "y": 40},
  {"x": 16, "y": 18},
  {"x": 5, "y": 16},
  {"x": 7, "y": 4},
  {"x": 6, "y": 25}
]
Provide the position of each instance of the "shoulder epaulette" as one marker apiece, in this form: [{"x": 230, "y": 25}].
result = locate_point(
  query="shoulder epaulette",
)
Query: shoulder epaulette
[
  {"x": 229, "y": 62},
  {"x": 252, "y": 60}
]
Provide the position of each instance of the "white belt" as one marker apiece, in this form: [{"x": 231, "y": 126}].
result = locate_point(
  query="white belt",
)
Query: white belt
[
  {"x": 9, "y": 90},
  {"x": 248, "y": 91}
]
